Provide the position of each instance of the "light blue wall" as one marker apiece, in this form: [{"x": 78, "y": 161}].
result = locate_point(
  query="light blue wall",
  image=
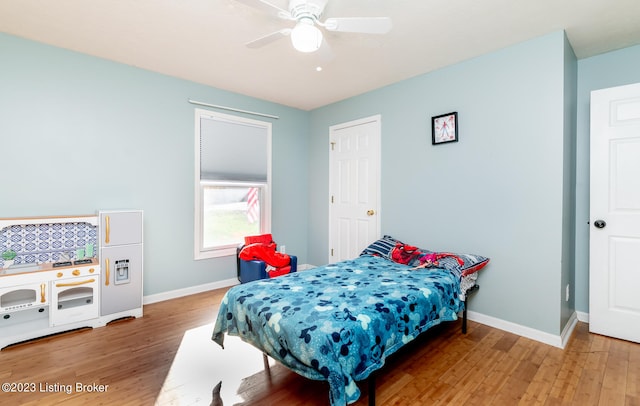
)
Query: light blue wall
[
  {"x": 78, "y": 134},
  {"x": 499, "y": 191},
  {"x": 616, "y": 68}
]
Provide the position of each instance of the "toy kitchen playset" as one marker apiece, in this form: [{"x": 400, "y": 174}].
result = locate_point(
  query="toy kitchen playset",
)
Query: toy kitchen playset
[{"x": 62, "y": 273}]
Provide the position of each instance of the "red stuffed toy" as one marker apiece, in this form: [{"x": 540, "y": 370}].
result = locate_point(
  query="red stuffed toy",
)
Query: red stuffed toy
[
  {"x": 263, "y": 248},
  {"x": 403, "y": 253}
]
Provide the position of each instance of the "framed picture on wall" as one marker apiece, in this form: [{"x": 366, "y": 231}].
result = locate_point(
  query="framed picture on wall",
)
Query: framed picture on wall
[{"x": 444, "y": 128}]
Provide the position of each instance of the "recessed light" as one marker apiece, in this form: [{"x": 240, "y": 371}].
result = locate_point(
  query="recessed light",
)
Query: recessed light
[{"x": 318, "y": 68}]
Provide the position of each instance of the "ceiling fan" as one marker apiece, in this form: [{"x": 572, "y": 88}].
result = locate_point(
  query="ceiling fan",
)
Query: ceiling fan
[{"x": 305, "y": 35}]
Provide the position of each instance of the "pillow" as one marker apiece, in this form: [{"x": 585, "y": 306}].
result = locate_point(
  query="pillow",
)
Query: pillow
[
  {"x": 470, "y": 263},
  {"x": 449, "y": 260},
  {"x": 381, "y": 247}
]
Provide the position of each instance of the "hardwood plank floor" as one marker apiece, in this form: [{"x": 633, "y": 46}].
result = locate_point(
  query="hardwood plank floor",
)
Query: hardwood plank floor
[{"x": 167, "y": 358}]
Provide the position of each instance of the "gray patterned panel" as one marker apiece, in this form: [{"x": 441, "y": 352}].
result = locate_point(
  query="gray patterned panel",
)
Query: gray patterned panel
[{"x": 41, "y": 243}]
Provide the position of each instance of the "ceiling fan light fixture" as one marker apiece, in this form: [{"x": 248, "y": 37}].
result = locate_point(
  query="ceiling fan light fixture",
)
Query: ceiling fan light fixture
[{"x": 305, "y": 36}]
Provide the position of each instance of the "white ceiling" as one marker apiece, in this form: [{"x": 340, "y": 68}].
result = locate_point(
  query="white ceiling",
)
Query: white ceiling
[{"x": 203, "y": 40}]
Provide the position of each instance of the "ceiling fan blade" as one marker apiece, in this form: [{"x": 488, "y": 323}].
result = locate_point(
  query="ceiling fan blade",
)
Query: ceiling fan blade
[
  {"x": 366, "y": 25},
  {"x": 267, "y": 7},
  {"x": 269, "y": 38}
]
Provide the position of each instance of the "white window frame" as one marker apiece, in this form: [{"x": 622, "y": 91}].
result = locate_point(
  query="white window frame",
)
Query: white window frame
[{"x": 201, "y": 252}]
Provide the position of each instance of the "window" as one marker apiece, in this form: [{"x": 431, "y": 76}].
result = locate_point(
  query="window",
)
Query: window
[{"x": 232, "y": 179}]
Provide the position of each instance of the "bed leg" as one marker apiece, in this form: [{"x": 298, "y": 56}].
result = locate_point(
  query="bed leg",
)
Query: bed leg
[
  {"x": 471, "y": 290},
  {"x": 371, "y": 382},
  {"x": 464, "y": 319}
]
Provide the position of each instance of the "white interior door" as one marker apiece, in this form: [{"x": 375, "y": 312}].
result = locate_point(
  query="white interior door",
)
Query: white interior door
[
  {"x": 354, "y": 187},
  {"x": 614, "y": 302}
]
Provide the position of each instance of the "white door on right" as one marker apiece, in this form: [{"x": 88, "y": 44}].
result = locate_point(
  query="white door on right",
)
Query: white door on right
[{"x": 614, "y": 246}]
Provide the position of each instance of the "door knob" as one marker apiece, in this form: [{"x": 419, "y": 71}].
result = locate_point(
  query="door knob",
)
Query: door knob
[
  {"x": 370, "y": 212},
  {"x": 600, "y": 224}
]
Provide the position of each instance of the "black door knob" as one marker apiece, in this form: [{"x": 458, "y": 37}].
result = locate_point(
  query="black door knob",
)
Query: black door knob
[{"x": 600, "y": 224}]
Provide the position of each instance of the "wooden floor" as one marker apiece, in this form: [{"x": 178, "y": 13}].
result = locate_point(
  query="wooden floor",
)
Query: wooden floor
[{"x": 167, "y": 358}]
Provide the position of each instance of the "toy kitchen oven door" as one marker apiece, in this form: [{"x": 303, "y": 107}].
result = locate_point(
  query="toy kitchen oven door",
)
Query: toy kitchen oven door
[{"x": 121, "y": 259}]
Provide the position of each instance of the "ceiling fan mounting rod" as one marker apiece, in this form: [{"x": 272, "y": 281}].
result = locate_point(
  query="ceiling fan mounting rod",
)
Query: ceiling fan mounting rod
[{"x": 307, "y": 9}]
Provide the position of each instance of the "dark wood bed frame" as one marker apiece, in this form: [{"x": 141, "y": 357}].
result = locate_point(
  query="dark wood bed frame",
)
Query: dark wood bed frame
[{"x": 371, "y": 380}]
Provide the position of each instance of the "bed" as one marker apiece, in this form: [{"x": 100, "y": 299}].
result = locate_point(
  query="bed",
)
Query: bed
[{"x": 340, "y": 322}]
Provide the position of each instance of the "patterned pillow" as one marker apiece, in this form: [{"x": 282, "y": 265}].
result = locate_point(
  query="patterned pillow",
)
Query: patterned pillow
[
  {"x": 472, "y": 263},
  {"x": 381, "y": 248}
]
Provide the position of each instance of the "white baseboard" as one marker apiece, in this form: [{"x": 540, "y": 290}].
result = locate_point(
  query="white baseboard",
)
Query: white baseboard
[
  {"x": 304, "y": 267},
  {"x": 583, "y": 317},
  {"x": 568, "y": 329},
  {"x": 555, "y": 340},
  {"x": 173, "y": 294}
]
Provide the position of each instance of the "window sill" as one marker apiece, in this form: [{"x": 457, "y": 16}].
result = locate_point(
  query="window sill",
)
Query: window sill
[{"x": 215, "y": 253}]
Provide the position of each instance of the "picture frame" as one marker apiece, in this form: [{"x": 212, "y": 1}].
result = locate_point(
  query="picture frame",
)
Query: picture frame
[{"x": 444, "y": 128}]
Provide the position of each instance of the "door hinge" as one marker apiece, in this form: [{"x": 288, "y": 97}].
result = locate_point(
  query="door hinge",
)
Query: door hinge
[
  {"x": 331, "y": 198},
  {"x": 333, "y": 144},
  {"x": 331, "y": 251}
]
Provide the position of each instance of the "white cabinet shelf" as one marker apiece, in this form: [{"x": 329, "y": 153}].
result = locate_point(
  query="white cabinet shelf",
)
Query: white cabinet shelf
[
  {"x": 19, "y": 298},
  {"x": 78, "y": 294}
]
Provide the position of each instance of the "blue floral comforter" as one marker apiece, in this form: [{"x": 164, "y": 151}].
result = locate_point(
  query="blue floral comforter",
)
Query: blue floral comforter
[{"x": 339, "y": 322}]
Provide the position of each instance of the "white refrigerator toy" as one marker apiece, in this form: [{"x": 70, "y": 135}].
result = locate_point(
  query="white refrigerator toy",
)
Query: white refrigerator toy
[{"x": 121, "y": 259}]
